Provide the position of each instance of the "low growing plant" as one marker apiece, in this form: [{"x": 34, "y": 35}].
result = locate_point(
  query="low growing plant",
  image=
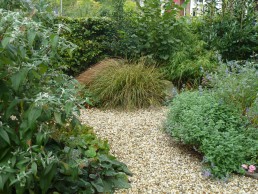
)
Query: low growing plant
[
  {"x": 236, "y": 83},
  {"x": 217, "y": 130},
  {"x": 129, "y": 86}
]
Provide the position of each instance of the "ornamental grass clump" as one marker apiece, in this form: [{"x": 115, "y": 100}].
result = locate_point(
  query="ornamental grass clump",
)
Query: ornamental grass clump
[{"x": 129, "y": 86}]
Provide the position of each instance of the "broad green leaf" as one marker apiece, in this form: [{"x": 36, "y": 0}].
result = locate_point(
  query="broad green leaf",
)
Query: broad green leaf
[
  {"x": 4, "y": 153},
  {"x": 3, "y": 179},
  {"x": 58, "y": 117},
  {"x": 121, "y": 182},
  {"x": 5, "y": 60},
  {"x": 18, "y": 78},
  {"x": 5, "y": 41},
  {"x": 13, "y": 182},
  {"x": 43, "y": 68},
  {"x": 4, "y": 136},
  {"x": 34, "y": 168},
  {"x": 33, "y": 115},
  {"x": 31, "y": 37},
  {"x": 1, "y": 182},
  {"x": 46, "y": 178},
  {"x": 22, "y": 163},
  {"x": 98, "y": 184},
  {"x": 36, "y": 75},
  {"x": 108, "y": 185},
  {"x": 12, "y": 106},
  {"x": 91, "y": 153},
  {"x": 68, "y": 107},
  {"x": 54, "y": 40}
]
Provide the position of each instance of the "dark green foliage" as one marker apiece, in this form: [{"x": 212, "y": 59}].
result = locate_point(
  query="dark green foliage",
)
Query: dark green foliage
[
  {"x": 86, "y": 163},
  {"x": 92, "y": 37},
  {"x": 215, "y": 129},
  {"x": 13, "y": 4},
  {"x": 156, "y": 32},
  {"x": 234, "y": 32},
  {"x": 37, "y": 99},
  {"x": 188, "y": 64},
  {"x": 151, "y": 30},
  {"x": 129, "y": 86}
]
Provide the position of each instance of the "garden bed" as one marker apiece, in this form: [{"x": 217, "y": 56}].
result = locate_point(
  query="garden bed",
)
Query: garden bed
[{"x": 159, "y": 164}]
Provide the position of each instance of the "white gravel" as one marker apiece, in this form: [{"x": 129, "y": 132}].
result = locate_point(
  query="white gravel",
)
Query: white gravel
[{"x": 160, "y": 165}]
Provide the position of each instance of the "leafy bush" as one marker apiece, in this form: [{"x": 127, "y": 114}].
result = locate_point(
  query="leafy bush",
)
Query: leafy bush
[
  {"x": 129, "y": 86},
  {"x": 188, "y": 64},
  {"x": 98, "y": 171},
  {"x": 236, "y": 83},
  {"x": 252, "y": 112},
  {"x": 155, "y": 31},
  {"x": 215, "y": 129},
  {"x": 233, "y": 32},
  {"x": 92, "y": 36},
  {"x": 151, "y": 30},
  {"x": 36, "y": 100}
]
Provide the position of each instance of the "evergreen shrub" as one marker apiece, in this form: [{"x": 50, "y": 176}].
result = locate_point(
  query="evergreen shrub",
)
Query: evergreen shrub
[{"x": 92, "y": 36}]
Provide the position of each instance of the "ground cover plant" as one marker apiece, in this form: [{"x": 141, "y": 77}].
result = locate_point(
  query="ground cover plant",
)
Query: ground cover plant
[
  {"x": 37, "y": 102},
  {"x": 217, "y": 130},
  {"x": 236, "y": 83},
  {"x": 217, "y": 121},
  {"x": 129, "y": 86}
]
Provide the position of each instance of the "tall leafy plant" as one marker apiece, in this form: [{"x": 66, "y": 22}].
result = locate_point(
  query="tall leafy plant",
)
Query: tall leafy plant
[
  {"x": 36, "y": 100},
  {"x": 152, "y": 30},
  {"x": 232, "y": 30}
]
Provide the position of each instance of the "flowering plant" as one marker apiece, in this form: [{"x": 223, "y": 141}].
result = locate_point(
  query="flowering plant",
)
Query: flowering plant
[{"x": 250, "y": 168}]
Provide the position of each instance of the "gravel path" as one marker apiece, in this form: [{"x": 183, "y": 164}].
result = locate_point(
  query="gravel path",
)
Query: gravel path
[{"x": 160, "y": 165}]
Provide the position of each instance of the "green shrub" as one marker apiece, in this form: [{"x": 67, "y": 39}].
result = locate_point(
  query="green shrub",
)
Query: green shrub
[
  {"x": 152, "y": 30},
  {"x": 92, "y": 37},
  {"x": 236, "y": 83},
  {"x": 129, "y": 86},
  {"x": 98, "y": 171},
  {"x": 233, "y": 32},
  {"x": 188, "y": 64},
  {"x": 215, "y": 129},
  {"x": 252, "y": 112},
  {"x": 36, "y": 100}
]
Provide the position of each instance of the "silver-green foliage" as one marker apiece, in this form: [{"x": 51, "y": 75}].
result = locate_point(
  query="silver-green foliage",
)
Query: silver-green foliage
[
  {"x": 36, "y": 98},
  {"x": 236, "y": 83},
  {"x": 216, "y": 129}
]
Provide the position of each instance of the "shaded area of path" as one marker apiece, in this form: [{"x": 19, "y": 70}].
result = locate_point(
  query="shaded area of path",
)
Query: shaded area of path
[{"x": 159, "y": 164}]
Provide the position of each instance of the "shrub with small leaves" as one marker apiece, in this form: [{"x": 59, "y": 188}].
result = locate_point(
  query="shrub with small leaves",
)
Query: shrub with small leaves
[
  {"x": 236, "y": 83},
  {"x": 216, "y": 129}
]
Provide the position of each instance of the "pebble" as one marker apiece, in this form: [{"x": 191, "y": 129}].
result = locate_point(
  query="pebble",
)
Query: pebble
[{"x": 160, "y": 165}]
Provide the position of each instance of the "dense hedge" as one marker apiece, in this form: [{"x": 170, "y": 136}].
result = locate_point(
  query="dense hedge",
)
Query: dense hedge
[{"x": 92, "y": 36}]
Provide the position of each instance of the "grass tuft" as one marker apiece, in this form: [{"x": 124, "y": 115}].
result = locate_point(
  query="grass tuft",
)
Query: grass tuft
[{"x": 129, "y": 86}]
